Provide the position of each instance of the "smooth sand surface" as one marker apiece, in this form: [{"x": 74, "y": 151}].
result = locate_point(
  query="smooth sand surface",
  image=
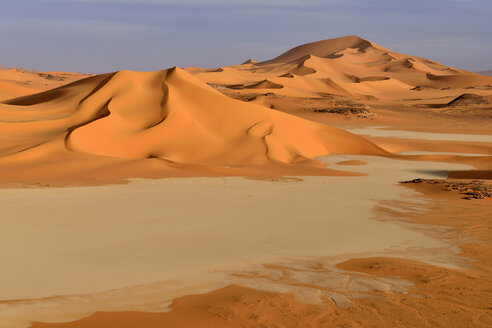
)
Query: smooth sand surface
[
  {"x": 385, "y": 132},
  {"x": 368, "y": 292},
  {"x": 197, "y": 230}
]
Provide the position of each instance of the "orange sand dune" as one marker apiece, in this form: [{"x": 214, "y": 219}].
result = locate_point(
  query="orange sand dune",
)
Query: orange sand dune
[
  {"x": 265, "y": 84},
  {"x": 15, "y": 82},
  {"x": 11, "y": 90},
  {"x": 354, "y": 67},
  {"x": 327, "y": 48},
  {"x": 131, "y": 124},
  {"x": 232, "y": 306}
]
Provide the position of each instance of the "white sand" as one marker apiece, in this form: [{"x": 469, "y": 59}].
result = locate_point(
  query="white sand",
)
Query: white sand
[
  {"x": 422, "y": 152},
  {"x": 385, "y": 132},
  {"x": 92, "y": 239},
  {"x": 114, "y": 236}
]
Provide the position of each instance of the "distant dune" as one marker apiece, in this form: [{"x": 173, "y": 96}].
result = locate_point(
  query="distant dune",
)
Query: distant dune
[
  {"x": 130, "y": 124},
  {"x": 349, "y": 66},
  {"x": 12, "y": 89},
  {"x": 15, "y": 82}
]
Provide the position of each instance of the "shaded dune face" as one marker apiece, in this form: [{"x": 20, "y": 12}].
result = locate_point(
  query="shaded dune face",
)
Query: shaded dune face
[{"x": 168, "y": 115}]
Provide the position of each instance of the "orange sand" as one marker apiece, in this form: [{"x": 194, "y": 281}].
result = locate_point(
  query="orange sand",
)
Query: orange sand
[
  {"x": 157, "y": 124},
  {"x": 16, "y": 82}
]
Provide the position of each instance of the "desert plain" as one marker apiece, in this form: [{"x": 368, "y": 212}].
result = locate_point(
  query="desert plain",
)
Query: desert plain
[{"x": 340, "y": 184}]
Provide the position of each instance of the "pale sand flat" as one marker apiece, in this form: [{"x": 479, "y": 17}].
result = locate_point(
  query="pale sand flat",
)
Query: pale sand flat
[
  {"x": 193, "y": 230},
  {"x": 384, "y": 132}
]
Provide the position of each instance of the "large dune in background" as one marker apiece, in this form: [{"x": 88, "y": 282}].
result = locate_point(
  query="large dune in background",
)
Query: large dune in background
[
  {"x": 165, "y": 123},
  {"x": 349, "y": 66}
]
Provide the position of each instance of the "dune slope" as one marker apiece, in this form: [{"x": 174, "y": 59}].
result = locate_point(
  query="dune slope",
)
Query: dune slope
[
  {"x": 130, "y": 124},
  {"x": 16, "y": 82}
]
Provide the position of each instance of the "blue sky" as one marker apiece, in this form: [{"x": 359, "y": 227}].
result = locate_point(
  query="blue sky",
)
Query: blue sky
[{"x": 107, "y": 35}]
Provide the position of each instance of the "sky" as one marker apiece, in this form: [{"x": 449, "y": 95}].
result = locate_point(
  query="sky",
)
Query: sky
[{"x": 95, "y": 36}]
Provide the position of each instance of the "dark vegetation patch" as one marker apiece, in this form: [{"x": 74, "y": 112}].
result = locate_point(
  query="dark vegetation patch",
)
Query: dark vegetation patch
[{"x": 469, "y": 189}]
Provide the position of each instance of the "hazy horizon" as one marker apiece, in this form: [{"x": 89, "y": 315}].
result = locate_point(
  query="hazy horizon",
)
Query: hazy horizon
[{"x": 105, "y": 35}]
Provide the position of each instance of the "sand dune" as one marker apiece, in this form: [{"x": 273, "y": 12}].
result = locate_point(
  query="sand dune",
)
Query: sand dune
[
  {"x": 265, "y": 84},
  {"x": 155, "y": 122},
  {"x": 11, "y": 90},
  {"x": 287, "y": 75},
  {"x": 327, "y": 49},
  {"x": 403, "y": 65},
  {"x": 15, "y": 82},
  {"x": 250, "y": 61},
  {"x": 351, "y": 65}
]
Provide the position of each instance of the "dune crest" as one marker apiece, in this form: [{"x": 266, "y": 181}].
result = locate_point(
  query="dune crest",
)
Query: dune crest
[{"x": 265, "y": 84}]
